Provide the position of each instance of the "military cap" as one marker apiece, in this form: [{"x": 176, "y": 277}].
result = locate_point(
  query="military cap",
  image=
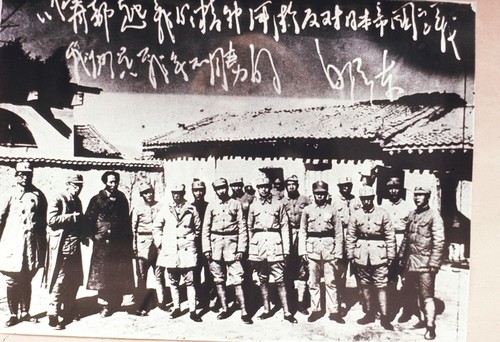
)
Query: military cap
[
  {"x": 344, "y": 180},
  {"x": 178, "y": 187},
  {"x": 422, "y": 190},
  {"x": 23, "y": 167},
  {"x": 145, "y": 186},
  {"x": 292, "y": 179},
  {"x": 237, "y": 180},
  {"x": 219, "y": 183},
  {"x": 320, "y": 186},
  {"x": 198, "y": 184},
  {"x": 262, "y": 181},
  {"x": 75, "y": 179},
  {"x": 366, "y": 191}
]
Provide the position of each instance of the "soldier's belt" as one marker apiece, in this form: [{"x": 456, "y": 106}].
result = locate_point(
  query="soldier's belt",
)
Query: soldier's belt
[
  {"x": 272, "y": 230},
  {"x": 144, "y": 233},
  {"x": 320, "y": 234},
  {"x": 371, "y": 237},
  {"x": 400, "y": 231},
  {"x": 234, "y": 232}
]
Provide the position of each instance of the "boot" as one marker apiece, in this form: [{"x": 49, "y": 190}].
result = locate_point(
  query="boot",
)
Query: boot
[
  {"x": 430, "y": 333},
  {"x": 385, "y": 321},
  {"x": 195, "y": 317},
  {"x": 221, "y": 292},
  {"x": 12, "y": 300},
  {"x": 284, "y": 302},
  {"x": 392, "y": 299},
  {"x": 301, "y": 289},
  {"x": 176, "y": 312},
  {"x": 191, "y": 297},
  {"x": 302, "y": 308},
  {"x": 314, "y": 316},
  {"x": 264, "y": 290},
  {"x": 405, "y": 316},
  {"x": 13, "y": 303},
  {"x": 240, "y": 296},
  {"x": 430, "y": 318},
  {"x": 337, "y": 317},
  {"x": 25, "y": 304},
  {"x": 11, "y": 321},
  {"x": 369, "y": 316}
]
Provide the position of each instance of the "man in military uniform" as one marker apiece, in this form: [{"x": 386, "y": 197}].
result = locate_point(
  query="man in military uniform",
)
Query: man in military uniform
[
  {"x": 398, "y": 210},
  {"x": 203, "y": 291},
  {"x": 175, "y": 232},
  {"x": 224, "y": 241},
  {"x": 245, "y": 199},
  {"x": 63, "y": 269},
  {"x": 277, "y": 189},
  {"x": 320, "y": 243},
  {"x": 23, "y": 242},
  {"x": 269, "y": 245},
  {"x": 422, "y": 254},
  {"x": 296, "y": 270},
  {"x": 345, "y": 204},
  {"x": 371, "y": 245},
  {"x": 145, "y": 252}
]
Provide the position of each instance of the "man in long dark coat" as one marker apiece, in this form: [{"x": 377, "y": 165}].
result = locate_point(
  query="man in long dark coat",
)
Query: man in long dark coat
[
  {"x": 63, "y": 268},
  {"x": 111, "y": 272}
]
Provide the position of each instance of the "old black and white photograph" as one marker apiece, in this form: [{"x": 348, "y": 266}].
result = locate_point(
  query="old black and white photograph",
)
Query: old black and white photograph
[{"x": 236, "y": 170}]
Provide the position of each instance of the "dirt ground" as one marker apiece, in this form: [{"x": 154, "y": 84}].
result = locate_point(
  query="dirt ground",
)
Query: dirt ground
[{"x": 451, "y": 288}]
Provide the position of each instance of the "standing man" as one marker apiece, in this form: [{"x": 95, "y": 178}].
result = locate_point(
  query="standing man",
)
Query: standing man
[
  {"x": 398, "y": 210},
  {"x": 345, "y": 205},
  {"x": 145, "y": 252},
  {"x": 371, "y": 245},
  {"x": 278, "y": 190},
  {"x": 321, "y": 239},
  {"x": 111, "y": 272},
  {"x": 296, "y": 270},
  {"x": 422, "y": 254},
  {"x": 23, "y": 224},
  {"x": 176, "y": 230},
  {"x": 203, "y": 292},
  {"x": 225, "y": 240},
  {"x": 269, "y": 245},
  {"x": 238, "y": 194},
  {"x": 63, "y": 269}
]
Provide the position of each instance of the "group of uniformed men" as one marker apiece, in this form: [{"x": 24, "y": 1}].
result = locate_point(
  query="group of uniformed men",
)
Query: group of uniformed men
[{"x": 276, "y": 236}]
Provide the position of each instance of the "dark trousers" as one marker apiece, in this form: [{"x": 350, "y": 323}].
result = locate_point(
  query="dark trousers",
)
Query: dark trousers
[
  {"x": 142, "y": 267},
  {"x": 62, "y": 297},
  {"x": 19, "y": 289}
]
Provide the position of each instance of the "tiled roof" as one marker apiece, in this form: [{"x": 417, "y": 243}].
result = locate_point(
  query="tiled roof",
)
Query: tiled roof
[
  {"x": 452, "y": 131},
  {"x": 85, "y": 162},
  {"x": 90, "y": 143},
  {"x": 381, "y": 122}
]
